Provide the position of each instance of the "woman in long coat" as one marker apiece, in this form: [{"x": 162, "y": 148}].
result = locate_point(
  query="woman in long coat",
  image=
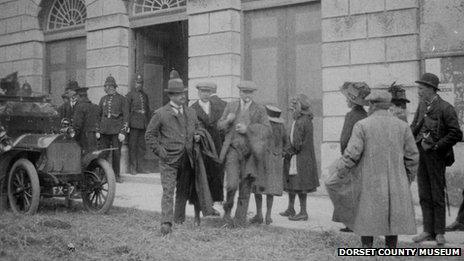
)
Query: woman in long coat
[
  {"x": 303, "y": 178},
  {"x": 384, "y": 153},
  {"x": 272, "y": 183}
]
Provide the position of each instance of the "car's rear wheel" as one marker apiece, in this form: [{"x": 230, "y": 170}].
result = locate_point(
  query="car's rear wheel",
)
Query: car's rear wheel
[
  {"x": 99, "y": 187},
  {"x": 23, "y": 187}
]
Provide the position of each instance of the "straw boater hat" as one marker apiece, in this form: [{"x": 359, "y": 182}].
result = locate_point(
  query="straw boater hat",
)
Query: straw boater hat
[
  {"x": 175, "y": 84},
  {"x": 398, "y": 93},
  {"x": 273, "y": 113},
  {"x": 110, "y": 81},
  {"x": 429, "y": 80},
  {"x": 207, "y": 86},
  {"x": 356, "y": 92},
  {"x": 247, "y": 86}
]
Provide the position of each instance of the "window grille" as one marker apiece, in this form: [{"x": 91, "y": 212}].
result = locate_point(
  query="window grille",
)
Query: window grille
[
  {"x": 66, "y": 13},
  {"x": 149, "y": 6}
]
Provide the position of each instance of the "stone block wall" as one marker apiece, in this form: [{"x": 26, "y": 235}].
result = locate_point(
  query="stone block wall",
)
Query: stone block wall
[
  {"x": 375, "y": 41},
  {"x": 107, "y": 29},
  {"x": 21, "y": 42},
  {"x": 214, "y": 45}
]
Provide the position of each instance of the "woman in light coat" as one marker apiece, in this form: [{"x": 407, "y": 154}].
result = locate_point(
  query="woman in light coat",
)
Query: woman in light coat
[{"x": 383, "y": 150}]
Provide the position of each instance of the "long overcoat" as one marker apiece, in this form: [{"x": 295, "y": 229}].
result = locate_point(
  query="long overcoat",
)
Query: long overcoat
[
  {"x": 307, "y": 179},
  {"x": 383, "y": 150},
  {"x": 214, "y": 170},
  {"x": 139, "y": 111}
]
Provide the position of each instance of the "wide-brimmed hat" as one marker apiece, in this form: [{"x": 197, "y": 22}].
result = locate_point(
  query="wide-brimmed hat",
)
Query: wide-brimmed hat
[
  {"x": 247, "y": 86},
  {"x": 110, "y": 81},
  {"x": 175, "y": 84},
  {"x": 207, "y": 86},
  {"x": 356, "y": 92},
  {"x": 72, "y": 85},
  {"x": 429, "y": 80},
  {"x": 139, "y": 79},
  {"x": 274, "y": 113},
  {"x": 379, "y": 96},
  {"x": 398, "y": 93}
]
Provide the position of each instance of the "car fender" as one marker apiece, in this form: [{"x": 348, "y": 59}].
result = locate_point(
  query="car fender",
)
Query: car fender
[
  {"x": 5, "y": 162},
  {"x": 89, "y": 157}
]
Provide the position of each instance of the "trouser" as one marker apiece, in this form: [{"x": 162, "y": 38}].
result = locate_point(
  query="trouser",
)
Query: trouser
[
  {"x": 136, "y": 147},
  {"x": 390, "y": 241},
  {"x": 460, "y": 217},
  {"x": 235, "y": 178},
  {"x": 88, "y": 141},
  {"x": 111, "y": 141},
  {"x": 431, "y": 184},
  {"x": 185, "y": 186}
]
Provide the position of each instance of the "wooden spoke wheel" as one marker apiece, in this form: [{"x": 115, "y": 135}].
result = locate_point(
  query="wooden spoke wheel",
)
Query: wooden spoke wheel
[
  {"x": 99, "y": 187},
  {"x": 23, "y": 187}
]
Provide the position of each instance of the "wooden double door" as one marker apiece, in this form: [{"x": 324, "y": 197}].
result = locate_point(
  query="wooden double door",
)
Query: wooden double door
[{"x": 282, "y": 55}]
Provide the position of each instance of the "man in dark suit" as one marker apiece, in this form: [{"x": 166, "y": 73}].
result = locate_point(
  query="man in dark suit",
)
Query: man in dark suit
[
  {"x": 139, "y": 115},
  {"x": 66, "y": 110},
  {"x": 114, "y": 114},
  {"x": 209, "y": 109},
  {"x": 247, "y": 127},
  {"x": 436, "y": 130},
  {"x": 170, "y": 134},
  {"x": 85, "y": 121}
]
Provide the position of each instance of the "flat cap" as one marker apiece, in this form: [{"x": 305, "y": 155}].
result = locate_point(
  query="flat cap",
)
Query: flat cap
[
  {"x": 379, "y": 96},
  {"x": 207, "y": 86},
  {"x": 247, "y": 86}
]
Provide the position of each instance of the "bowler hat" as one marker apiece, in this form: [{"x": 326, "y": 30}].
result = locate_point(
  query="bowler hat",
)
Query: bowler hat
[
  {"x": 429, "y": 80},
  {"x": 175, "y": 84},
  {"x": 207, "y": 86},
  {"x": 398, "y": 93},
  {"x": 110, "y": 81},
  {"x": 139, "y": 79},
  {"x": 273, "y": 113},
  {"x": 356, "y": 92},
  {"x": 247, "y": 86},
  {"x": 72, "y": 85},
  {"x": 379, "y": 96}
]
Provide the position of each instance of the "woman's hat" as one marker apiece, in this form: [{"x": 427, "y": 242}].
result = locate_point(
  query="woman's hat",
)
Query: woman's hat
[
  {"x": 379, "y": 96},
  {"x": 356, "y": 92},
  {"x": 429, "y": 80},
  {"x": 398, "y": 93},
  {"x": 175, "y": 84},
  {"x": 273, "y": 113}
]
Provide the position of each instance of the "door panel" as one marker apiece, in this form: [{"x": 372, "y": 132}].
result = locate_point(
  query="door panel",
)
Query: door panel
[{"x": 282, "y": 48}]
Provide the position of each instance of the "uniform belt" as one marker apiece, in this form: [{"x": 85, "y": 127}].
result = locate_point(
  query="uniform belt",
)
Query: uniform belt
[
  {"x": 140, "y": 111},
  {"x": 112, "y": 116}
]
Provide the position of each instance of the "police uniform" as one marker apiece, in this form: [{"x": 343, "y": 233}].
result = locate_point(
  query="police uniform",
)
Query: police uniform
[
  {"x": 114, "y": 114},
  {"x": 139, "y": 116},
  {"x": 85, "y": 122}
]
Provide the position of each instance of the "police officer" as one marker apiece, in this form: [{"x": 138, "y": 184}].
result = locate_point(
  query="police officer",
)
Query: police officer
[
  {"x": 139, "y": 116},
  {"x": 114, "y": 114},
  {"x": 85, "y": 121}
]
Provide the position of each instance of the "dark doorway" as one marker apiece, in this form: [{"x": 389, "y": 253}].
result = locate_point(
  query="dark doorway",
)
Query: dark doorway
[{"x": 158, "y": 50}]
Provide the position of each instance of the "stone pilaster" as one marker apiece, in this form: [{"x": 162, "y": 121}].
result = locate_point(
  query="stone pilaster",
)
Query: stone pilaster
[
  {"x": 375, "y": 41},
  {"x": 214, "y": 45},
  {"x": 21, "y": 42},
  {"x": 107, "y": 29}
]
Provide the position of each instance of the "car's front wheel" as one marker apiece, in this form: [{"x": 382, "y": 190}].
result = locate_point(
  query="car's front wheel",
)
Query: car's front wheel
[
  {"x": 23, "y": 187},
  {"x": 99, "y": 187}
]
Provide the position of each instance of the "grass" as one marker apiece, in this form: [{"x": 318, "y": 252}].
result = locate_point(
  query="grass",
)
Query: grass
[{"x": 129, "y": 234}]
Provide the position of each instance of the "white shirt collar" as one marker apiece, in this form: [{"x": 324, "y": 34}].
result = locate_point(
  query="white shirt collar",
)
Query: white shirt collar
[
  {"x": 245, "y": 105},
  {"x": 205, "y": 106}
]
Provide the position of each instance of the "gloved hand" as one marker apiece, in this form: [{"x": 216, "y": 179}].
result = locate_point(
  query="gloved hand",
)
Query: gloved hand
[
  {"x": 121, "y": 137},
  {"x": 97, "y": 135}
]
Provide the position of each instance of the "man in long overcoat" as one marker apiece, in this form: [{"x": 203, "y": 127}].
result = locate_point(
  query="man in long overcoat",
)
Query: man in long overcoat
[
  {"x": 208, "y": 112},
  {"x": 383, "y": 150},
  {"x": 247, "y": 128},
  {"x": 436, "y": 130},
  {"x": 170, "y": 135},
  {"x": 85, "y": 121},
  {"x": 139, "y": 116}
]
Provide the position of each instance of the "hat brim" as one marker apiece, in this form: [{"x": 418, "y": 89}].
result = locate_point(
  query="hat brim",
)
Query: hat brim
[
  {"x": 175, "y": 91},
  {"x": 402, "y": 99},
  {"x": 246, "y": 89},
  {"x": 427, "y": 84},
  {"x": 278, "y": 120}
]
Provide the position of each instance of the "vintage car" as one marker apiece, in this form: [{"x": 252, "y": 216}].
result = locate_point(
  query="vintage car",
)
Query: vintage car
[{"x": 42, "y": 159}]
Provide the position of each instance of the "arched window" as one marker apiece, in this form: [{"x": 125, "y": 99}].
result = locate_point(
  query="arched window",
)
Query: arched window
[
  {"x": 66, "y": 13},
  {"x": 149, "y": 6}
]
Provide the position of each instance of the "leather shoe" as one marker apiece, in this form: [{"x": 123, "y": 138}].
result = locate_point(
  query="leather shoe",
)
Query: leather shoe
[
  {"x": 440, "y": 238},
  {"x": 346, "y": 229},
  {"x": 424, "y": 236},
  {"x": 455, "y": 226},
  {"x": 268, "y": 220},
  {"x": 299, "y": 217},
  {"x": 256, "y": 220},
  {"x": 166, "y": 228},
  {"x": 288, "y": 213}
]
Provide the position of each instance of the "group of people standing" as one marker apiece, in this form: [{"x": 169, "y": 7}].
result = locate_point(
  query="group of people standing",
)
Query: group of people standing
[
  {"x": 237, "y": 146},
  {"x": 381, "y": 154}
]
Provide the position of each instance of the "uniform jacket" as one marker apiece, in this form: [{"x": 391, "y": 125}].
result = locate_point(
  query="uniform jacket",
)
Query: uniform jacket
[
  {"x": 171, "y": 133},
  {"x": 66, "y": 111},
  {"x": 307, "y": 178},
  {"x": 214, "y": 170},
  {"x": 441, "y": 121},
  {"x": 139, "y": 111},
  {"x": 114, "y": 113},
  {"x": 86, "y": 116},
  {"x": 356, "y": 114},
  {"x": 383, "y": 150}
]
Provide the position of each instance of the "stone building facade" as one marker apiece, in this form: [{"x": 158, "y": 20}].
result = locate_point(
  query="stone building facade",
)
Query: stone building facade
[{"x": 287, "y": 47}]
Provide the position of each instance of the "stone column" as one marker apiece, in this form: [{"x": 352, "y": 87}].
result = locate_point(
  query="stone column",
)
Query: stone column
[
  {"x": 375, "y": 41},
  {"x": 214, "y": 45},
  {"x": 21, "y": 42},
  {"x": 107, "y": 29}
]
